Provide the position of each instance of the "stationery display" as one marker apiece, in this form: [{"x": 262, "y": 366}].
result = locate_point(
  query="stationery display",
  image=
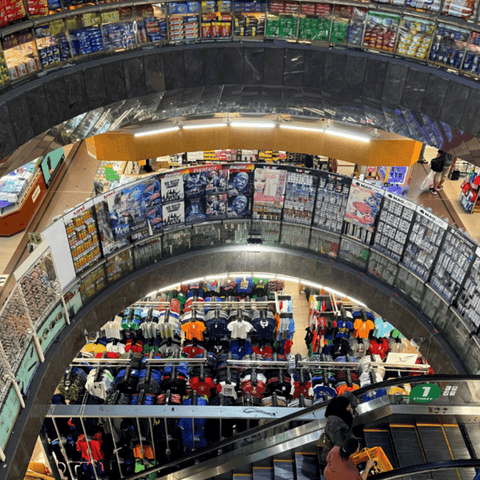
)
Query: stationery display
[
  {"x": 362, "y": 208},
  {"x": 456, "y": 255},
  {"x": 394, "y": 223},
  {"x": 331, "y": 203},
  {"x": 300, "y": 197},
  {"x": 423, "y": 243},
  {"x": 269, "y": 193}
]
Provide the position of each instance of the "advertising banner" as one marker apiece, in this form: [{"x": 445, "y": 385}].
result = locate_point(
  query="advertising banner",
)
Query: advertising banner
[
  {"x": 173, "y": 214},
  {"x": 172, "y": 187}
]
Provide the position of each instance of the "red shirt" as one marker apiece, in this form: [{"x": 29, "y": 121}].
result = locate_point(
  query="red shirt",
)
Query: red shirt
[{"x": 340, "y": 469}]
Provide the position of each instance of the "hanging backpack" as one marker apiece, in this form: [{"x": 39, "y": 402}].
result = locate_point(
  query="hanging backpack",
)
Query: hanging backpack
[{"x": 437, "y": 163}]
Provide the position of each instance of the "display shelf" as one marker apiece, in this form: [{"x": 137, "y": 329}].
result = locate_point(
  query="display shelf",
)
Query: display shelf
[
  {"x": 119, "y": 265},
  {"x": 183, "y": 21},
  {"x": 117, "y": 29},
  {"x": 216, "y": 19},
  {"x": 423, "y": 243},
  {"x": 295, "y": 236},
  {"x": 249, "y": 18},
  {"x": 16, "y": 183},
  {"x": 282, "y": 20},
  {"x": 52, "y": 44},
  {"x": 459, "y": 8},
  {"x": 93, "y": 282},
  {"x": 381, "y": 31},
  {"x": 83, "y": 237},
  {"x": 394, "y": 223},
  {"x": 411, "y": 286},
  {"x": 269, "y": 231},
  {"x": 453, "y": 262},
  {"x": 354, "y": 252},
  {"x": 21, "y": 56},
  {"x": 469, "y": 191},
  {"x": 11, "y": 11},
  {"x": 85, "y": 34},
  {"x": 315, "y": 23},
  {"x": 324, "y": 243},
  {"x": 382, "y": 267},
  {"x": 355, "y": 17},
  {"x": 300, "y": 195},
  {"x": 449, "y": 44},
  {"x": 415, "y": 37},
  {"x": 4, "y": 77},
  {"x": 148, "y": 251},
  {"x": 331, "y": 201},
  {"x": 152, "y": 23}
]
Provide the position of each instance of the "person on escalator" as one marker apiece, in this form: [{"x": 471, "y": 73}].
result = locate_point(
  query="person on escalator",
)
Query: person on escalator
[{"x": 341, "y": 467}]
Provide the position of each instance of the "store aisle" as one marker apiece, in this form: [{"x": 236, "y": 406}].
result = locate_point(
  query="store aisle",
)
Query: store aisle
[{"x": 300, "y": 314}]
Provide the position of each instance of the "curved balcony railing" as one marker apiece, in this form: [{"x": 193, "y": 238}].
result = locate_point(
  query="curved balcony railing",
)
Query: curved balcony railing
[
  {"x": 439, "y": 33},
  {"x": 394, "y": 243}
]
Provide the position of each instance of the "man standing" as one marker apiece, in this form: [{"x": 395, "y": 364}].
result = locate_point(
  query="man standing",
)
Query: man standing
[{"x": 440, "y": 176}]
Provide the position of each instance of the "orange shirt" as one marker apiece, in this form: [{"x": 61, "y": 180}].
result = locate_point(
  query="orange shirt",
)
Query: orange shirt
[
  {"x": 194, "y": 330},
  {"x": 363, "y": 329}
]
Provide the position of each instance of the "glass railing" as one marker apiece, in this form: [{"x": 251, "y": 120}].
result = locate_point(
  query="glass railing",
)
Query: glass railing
[
  {"x": 77, "y": 243},
  {"x": 444, "y": 33}
]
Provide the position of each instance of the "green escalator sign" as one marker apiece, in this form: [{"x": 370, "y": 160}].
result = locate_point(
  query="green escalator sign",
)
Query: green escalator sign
[{"x": 425, "y": 393}]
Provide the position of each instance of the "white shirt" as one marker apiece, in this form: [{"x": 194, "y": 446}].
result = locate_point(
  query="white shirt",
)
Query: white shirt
[{"x": 239, "y": 329}]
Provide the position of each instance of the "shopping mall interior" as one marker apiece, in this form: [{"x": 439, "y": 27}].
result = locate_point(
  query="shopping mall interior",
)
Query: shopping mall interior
[{"x": 232, "y": 204}]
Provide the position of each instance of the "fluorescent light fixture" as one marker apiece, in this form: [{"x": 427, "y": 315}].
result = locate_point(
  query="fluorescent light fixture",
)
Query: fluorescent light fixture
[
  {"x": 305, "y": 129},
  {"x": 204, "y": 125},
  {"x": 154, "y": 132},
  {"x": 339, "y": 133},
  {"x": 253, "y": 124}
]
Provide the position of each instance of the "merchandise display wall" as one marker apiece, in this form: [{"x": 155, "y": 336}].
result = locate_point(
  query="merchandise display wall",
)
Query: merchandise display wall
[{"x": 262, "y": 191}]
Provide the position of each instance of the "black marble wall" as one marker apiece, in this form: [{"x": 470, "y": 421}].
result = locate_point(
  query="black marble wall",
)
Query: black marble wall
[
  {"x": 343, "y": 79},
  {"x": 198, "y": 264}
]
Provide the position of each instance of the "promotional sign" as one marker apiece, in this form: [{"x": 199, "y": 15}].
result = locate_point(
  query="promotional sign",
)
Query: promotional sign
[
  {"x": 195, "y": 209},
  {"x": 50, "y": 164},
  {"x": 216, "y": 206},
  {"x": 173, "y": 214},
  {"x": 269, "y": 193},
  {"x": 217, "y": 179},
  {"x": 127, "y": 211},
  {"x": 195, "y": 181},
  {"x": 240, "y": 186},
  {"x": 425, "y": 393},
  {"x": 171, "y": 187}
]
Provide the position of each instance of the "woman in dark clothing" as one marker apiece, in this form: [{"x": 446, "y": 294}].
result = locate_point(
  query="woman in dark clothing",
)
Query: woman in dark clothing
[
  {"x": 339, "y": 422},
  {"x": 341, "y": 467}
]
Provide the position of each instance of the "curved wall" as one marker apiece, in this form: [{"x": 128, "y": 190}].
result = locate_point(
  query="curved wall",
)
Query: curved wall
[
  {"x": 365, "y": 85},
  {"x": 198, "y": 264}
]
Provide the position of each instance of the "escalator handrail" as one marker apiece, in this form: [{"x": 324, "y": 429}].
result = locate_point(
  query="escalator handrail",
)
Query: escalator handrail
[
  {"x": 427, "y": 467},
  {"x": 302, "y": 412}
]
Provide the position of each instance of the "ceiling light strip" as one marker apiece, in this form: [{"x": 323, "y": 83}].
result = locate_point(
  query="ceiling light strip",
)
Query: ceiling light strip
[
  {"x": 350, "y": 136},
  {"x": 303, "y": 129},
  {"x": 253, "y": 124},
  {"x": 155, "y": 132},
  {"x": 205, "y": 125}
]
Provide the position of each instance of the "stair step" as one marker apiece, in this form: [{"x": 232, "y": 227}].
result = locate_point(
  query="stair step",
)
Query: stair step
[
  {"x": 284, "y": 469},
  {"x": 306, "y": 465},
  {"x": 262, "y": 473}
]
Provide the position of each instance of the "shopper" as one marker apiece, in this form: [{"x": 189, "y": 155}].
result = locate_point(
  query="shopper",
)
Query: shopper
[
  {"x": 440, "y": 176},
  {"x": 341, "y": 467}
]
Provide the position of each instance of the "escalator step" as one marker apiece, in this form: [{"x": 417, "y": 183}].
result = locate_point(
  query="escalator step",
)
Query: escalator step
[
  {"x": 284, "y": 469},
  {"x": 459, "y": 449},
  {"x": 407, "y": 447},
  {"x": 242, "y": 476},
  {"x": 306, "y": 465},
  {"x": 436, "y": 448},
  {"x": 380, "y": 438},
  {"x": 262, "y": 473}
]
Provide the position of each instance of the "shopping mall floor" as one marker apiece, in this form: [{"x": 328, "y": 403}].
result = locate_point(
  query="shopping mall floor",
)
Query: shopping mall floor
[{"x": 74, "y": 185}]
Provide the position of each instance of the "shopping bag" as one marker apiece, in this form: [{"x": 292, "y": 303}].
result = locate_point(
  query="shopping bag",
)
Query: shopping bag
[{"x": 428, "y": 182}]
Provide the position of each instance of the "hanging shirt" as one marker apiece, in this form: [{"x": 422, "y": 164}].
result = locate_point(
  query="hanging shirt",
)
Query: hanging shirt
[
  {"x": 382, "y": 328},
  {"x": 194, "y": 330},
  {"x": 239, "y": 350},
  {"x": 112, "y": 330},
  {"x": 362, "y": 329},
  {"x": 244, "y": 285},
  {"x": 239, "y": 329},
  {"x": 149, "y": 329},
  {"x": 264, "y": 328}
]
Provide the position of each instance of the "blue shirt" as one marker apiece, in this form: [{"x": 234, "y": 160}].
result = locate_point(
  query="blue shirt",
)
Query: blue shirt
[{"x": 265, "y": 328}]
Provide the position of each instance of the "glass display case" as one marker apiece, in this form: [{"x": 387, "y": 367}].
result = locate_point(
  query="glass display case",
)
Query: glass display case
[
  {"x": 85, "y": 34},
  {"x": 21, "y": 55},
  {"x": 282, "y": 20},
  {"x": 415, "y": 37},
  {"x": 471, "y": 62},
  {"x": 423, "y": 243},
  {"x": 432, "y": 307},
  {"x": 147, "y": 252},
  {"x": 382, "y": 267},
  {"x": 356, "y": 22},
  {"x": 183, "y": 21},
  {"x": 216, "y": 18},
  {"x": 52, "y": 43},
  {"x": 315, "y": 21},
  {"x": 410, "y": 285},
  {"x": 234, "y": 232},
  {"x": 300, "y": 195},
  {"x": 269, "y": 231},
  {"x": 205, "y": 236},
  {"x": 468, "y": 302},
  {"x": 324, "y": 243},
  {"x": 14, "y": 185},
  {"x": 449, "y": 44},
  {"x": 119, "y": 265},
  {"x": 82, "y": 237},
  {"x": 177, "y": 242},
  {"x": 151, "y": 23},
  {"x": 381, "y": 31},
  {"x": 4, "y": 78},
  {"x": 118, "y": 29},
  {"x": 93, "y": 283},
  {"x": 342, "y": 15},
  {"x": 249, "y": 19},
  {"x": 354, "y": 252}
]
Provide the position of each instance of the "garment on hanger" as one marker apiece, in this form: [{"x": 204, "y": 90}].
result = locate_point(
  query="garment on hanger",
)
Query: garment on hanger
[
  {"x": 112, "y": 330},
  {"x": 194, "y": 330},
  {"x": 363, "y": 328},
  {"x": 240, "y": 329}
]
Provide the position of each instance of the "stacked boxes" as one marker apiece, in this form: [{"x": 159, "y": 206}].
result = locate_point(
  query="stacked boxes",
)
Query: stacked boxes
[
  {"x": 37, "y": 7},
  {"x": 415, "y": 38},
  {"x": 381, "y": 31},
  {"x": 283, "y": 21},
  {"x": 472, "y": 58},
  {"x": 11, "y": 10},
  {"x": 317, "y": 22},
  {"x": 118, "y": 35},
  {"x": 86, "y": 40},
  {"x": 448, "y": 46},
  {"x": 184, "y": 26}
]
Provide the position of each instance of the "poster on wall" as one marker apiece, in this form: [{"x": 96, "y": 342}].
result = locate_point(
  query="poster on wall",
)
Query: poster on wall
[
  {"x": 216, "y": 206},
  {"x": 269, "y": 190},
  {"x": 240, "y": 180},
  {"x": 51, "y": 164},
  {"x": 217, "y": 179},
  {"x": 171, "y": 187},
  {"x": 195, "y": 209},
  {"x": 195, "y": 181},
  {"x": 153, "y": 203},
  {"x": 51, "y": 327},
  {"x": 173, "y": 214},
  {"x": 300, "y": 194},
  {"x": 362, "y": 209},
  {"x": 127, "y": 211}
]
